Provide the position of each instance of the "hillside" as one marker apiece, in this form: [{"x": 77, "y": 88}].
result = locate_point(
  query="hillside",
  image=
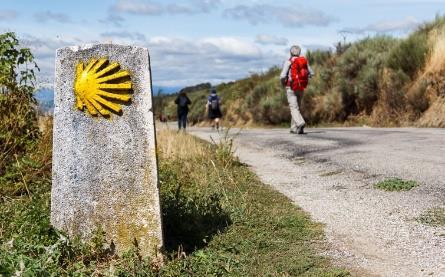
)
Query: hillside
[{"x": 378, "y": 81}]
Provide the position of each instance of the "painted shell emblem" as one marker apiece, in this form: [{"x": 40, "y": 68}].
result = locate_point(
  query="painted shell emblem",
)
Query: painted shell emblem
[{"x": 101, "y": 87}]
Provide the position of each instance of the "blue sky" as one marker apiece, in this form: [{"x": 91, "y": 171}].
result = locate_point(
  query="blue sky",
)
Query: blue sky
[{"x": 194, "y": 41}]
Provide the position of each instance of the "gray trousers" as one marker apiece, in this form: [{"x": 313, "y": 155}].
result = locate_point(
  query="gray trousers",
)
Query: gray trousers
[{"x": 294, "y": 99}]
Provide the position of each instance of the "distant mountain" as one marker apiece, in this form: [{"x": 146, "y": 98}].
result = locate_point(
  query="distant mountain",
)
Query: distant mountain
[
  {"x": 45, "y": 99},
  {"x": 203, "y": 86},
  {"x": 165, "y": 90}
]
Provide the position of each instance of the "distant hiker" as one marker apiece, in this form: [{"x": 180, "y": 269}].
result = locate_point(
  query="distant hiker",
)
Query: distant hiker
[
  {"x": 183, "y": 102},
  {"x": 213, "y": 107},
  {"x": 295, "y": 77}
]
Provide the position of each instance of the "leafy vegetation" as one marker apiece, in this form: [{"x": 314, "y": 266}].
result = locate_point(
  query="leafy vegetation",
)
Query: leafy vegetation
[
  {"x": 18, "y": 120},
  {"x": 396, "y": 184}
]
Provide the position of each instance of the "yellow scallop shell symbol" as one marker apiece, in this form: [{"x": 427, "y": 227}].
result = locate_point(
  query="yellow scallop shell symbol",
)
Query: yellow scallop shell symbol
[{"x": 101, "y": 87}]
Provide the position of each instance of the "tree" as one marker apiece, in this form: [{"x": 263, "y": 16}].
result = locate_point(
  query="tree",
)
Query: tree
[{"x": 18, "y": 116}]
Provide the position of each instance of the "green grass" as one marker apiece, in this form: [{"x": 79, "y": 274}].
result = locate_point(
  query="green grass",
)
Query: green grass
[
  {"x": 219, "y": 220},
  {"x": 434, "y": 217},
  {"x": 396, "y": 184}
]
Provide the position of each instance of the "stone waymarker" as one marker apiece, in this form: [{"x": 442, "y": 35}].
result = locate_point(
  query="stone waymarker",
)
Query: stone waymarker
[{"x": 104, "y": 151}]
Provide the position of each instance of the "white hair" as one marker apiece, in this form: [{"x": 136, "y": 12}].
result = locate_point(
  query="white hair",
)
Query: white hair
[{"x": 295, "y": 50}]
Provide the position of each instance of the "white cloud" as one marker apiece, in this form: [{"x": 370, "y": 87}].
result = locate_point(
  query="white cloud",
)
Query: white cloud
[
  {"x": 44, "y": 51},
  {"x": 175, "y": 61},
  {"x": 7, "y": 15},
  {"x": 47, "y": 16},
  {"x": 406, "y": 2},
  {"x": 229, "y": 47},
  {"x": 404, "y": 25},
  {"x": 286, "y": 15},
  {"x": 313, "y": 47},
  {"x": 138, "y": 7},
  {"x": 151, "y": 8},
  {"x": 179, "y": 9},
  {"x": 271, "y": 39},
  {"x": 206, "y": 5},
  {"x": 135, "y": 36},
  {"x": 113, "y": 19},
  {"x": 215, "y": 59}
]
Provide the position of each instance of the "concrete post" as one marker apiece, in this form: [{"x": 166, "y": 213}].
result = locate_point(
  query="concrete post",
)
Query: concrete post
[{"x": 104, "y": 149}]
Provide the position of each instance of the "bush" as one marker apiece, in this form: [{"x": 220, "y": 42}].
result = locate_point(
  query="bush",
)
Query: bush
[
  {"x": 18, "y": 115},
  {"x": 358, "y": 73},
  {"x": 392, "y": 102},
  {"x": 437, "y": 23},
  {"x": 318, "y": 57},
  {"x": 417, "y": 97},
  {"x": 410, "y": 54}
]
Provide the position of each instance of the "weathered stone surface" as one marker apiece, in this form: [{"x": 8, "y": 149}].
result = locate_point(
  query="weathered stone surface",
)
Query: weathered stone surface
[{"x": 105, "y": 170}]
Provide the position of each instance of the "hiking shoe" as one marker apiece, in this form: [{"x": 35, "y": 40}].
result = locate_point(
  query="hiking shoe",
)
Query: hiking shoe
[
  {"x": 293, "y": 132},
  {"x": 300, "y": 130}
]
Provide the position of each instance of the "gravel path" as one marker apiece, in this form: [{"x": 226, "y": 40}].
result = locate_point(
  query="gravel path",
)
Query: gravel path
[{"x": 330, "y": 173}]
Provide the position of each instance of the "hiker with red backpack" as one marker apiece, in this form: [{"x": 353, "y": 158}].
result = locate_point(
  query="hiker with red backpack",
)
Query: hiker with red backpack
[{"x": 295, "y": 78}]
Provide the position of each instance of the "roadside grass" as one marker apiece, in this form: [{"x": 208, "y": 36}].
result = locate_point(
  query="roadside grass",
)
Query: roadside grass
[
  {"x": 434, "y": 217},
  {"x": 396, "y": 184},
  {"x": 219, "y": 220},
  {"x": 265, "y": 235}
]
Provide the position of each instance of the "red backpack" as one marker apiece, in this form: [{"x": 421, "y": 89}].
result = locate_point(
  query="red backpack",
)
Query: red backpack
[{"x": 299, "y": 73}]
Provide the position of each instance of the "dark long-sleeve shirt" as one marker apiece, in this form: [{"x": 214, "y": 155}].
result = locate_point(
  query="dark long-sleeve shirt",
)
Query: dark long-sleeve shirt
[{"x": 183, "y": 102}]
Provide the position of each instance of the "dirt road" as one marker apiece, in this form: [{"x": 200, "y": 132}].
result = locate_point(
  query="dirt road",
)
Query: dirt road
[{"x": 330, "y": 173}]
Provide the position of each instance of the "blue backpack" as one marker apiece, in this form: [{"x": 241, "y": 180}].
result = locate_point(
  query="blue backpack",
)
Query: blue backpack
[{"x": 214, "y": 101}]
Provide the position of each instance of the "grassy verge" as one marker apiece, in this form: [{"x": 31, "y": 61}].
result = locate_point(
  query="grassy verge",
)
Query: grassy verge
[
  {"x": 265, "y": 234},
  {"x": 218, "y": 220},
  {"x": 396, "y": 184}
]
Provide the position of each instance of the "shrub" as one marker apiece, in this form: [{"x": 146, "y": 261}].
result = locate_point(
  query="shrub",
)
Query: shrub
[
  {"x": 410, "y": 54},
  {"x": 437, "y": 23},
  {"x": 18, "y": 117},
  {"x": 332, "y": 106},
  {"x": 318, "y": 57},
  {"x": 417, "y": 97},
  {"x": 392, "y": 102},
  {"x": 358, "y": 73},
  {"x": 197, "y": 108}
]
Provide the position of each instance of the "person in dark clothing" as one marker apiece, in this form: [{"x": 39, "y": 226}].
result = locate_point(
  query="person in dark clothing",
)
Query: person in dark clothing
[
  {"x": 214, "y": 108},
  {"x": 183, "y": 102}
]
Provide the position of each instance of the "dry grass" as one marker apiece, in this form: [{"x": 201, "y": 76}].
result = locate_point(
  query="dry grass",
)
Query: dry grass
[
  {"x": 434, "y": 116},
  {"x": 434, "y": 217},
  {"x": 178, "y": 145},
  {"x": 434, "y": 73},
  {"x": 188, "y": 154},
  {"x": 436, "y": 61}
]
